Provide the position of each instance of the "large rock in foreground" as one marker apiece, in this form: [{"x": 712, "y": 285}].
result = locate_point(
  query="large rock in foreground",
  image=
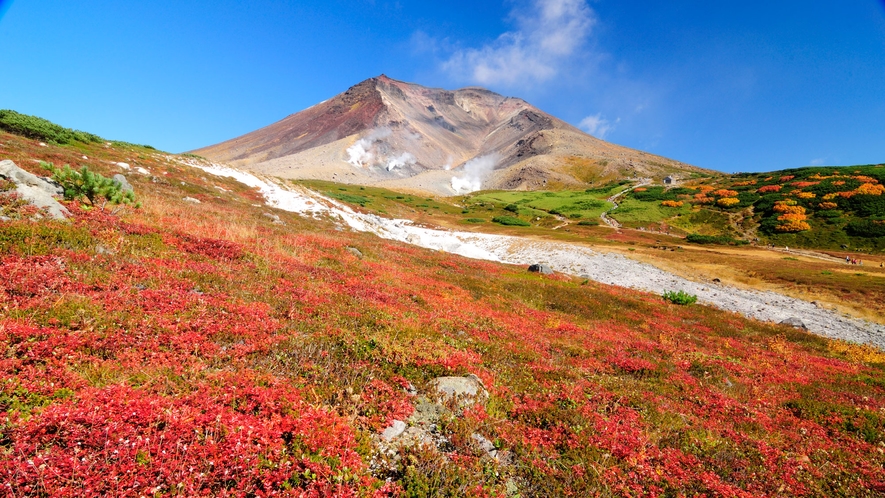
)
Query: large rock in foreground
[{"x": 36, "y": 190}]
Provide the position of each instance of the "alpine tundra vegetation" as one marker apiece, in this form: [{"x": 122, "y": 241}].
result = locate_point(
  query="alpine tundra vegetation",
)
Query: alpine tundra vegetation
[{"x": 230, "y": 348}]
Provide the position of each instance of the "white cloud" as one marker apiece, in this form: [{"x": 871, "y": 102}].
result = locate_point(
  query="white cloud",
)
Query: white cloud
[
  {"x": 547, "y": 35},
  {"x": 818, "y": 162},
  {"x": 597, "y": 125}
]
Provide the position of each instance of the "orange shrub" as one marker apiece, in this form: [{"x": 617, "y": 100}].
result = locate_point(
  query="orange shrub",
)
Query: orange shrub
[
  {"x": 804, "y": 184},
  {"x": 787, "y": 178},
  {"x": 769, "y": 188},
  {"x": 806, "y": 195},
  {"x": 847, "y": 195},
  {"x": 725, "y": 193},
  {"x": 640, "y": 189},
  {"x": 828, "y": 205},
  {"x": 792, "y": 217},
  {"x": 702, "y": 199},
  {"x": 744, "y": 184},
  {"x": 788, "y": 209},
  {"x": 793, "y": 226},
  {"x": 840, "y": 182},
  {"x": 871, "y": 189},
  {"x": 672, "y": 203},
  {"x": 728, "y": 201},
  {"x": 865, "y": 179},
  {"x": 706, "y": 188}
]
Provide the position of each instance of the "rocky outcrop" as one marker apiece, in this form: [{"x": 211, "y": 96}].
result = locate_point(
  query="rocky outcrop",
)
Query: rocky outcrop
[{"x": 37, "y": 191}]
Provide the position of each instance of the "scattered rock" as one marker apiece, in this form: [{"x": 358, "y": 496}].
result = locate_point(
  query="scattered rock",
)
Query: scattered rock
[
  {"x": 541, "y": 268},
  {"x": 100, "y": 249},
  {"x": 794, "y": 322},
  {"x": 485, "y": 445},
  {"x": 274, "y": 218},
  {"x": 191, "y": 199},
  {"x": 396, "y": 428},
  {"x": 468, "y": 388},
  {"x": 37, "y": 191},
  {"x": 142, "y": 171},
  {"x": 125, "y": 186},
  {"x": 123, "y": 165},
  {"x": 356, "y": 252}
]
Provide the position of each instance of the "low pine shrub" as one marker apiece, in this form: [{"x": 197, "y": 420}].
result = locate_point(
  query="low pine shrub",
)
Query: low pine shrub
[
  {"x": 724, "y": 240},
  {"x": 89, "y": 185},
  {"x": 680, "y": 297},
  {"x": 511, "y": 221},
  {"x": 41, "y": 129}
]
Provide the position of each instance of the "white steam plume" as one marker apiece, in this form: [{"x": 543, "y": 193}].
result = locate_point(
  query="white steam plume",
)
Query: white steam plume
[
  {"x": 365, "y": 150},
  {"x": 404, "y": 159},
  {"x": 476, "y": 171}
]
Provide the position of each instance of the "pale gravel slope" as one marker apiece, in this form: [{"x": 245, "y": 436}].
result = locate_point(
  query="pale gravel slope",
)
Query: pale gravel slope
[{"x": 607, "y": 268}]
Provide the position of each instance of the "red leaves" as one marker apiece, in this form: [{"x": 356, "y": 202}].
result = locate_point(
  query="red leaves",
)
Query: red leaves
[
  {"x": 232, "y": 438},
  {"x": 211, "y": 248}
]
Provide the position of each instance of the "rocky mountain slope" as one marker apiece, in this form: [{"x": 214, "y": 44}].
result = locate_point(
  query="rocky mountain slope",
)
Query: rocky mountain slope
[{"x": 406, "y": 136}]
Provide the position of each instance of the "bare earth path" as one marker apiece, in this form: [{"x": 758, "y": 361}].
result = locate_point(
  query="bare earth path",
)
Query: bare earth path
[
  {"x": 574, "y": 259},
  {"x": 614, "y": 200}
]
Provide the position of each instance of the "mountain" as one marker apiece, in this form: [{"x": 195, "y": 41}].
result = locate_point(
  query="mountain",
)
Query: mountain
[{"x": 403, "y": 135}]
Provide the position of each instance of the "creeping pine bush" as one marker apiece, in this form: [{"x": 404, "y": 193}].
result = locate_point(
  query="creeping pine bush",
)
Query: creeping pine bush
[
  {"x": 41, "y": 129},
  {"x": 511, "y": 221},
  {"x": 89, "y": 185},
  {"x": 680, "y": 297}
]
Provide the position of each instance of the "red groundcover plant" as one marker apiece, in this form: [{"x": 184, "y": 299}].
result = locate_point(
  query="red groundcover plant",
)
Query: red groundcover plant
[{"x": 155, "y": 357}]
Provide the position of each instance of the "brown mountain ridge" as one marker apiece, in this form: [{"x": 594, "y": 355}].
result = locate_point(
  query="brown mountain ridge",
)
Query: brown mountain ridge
[{"x": 409, "y": 137}]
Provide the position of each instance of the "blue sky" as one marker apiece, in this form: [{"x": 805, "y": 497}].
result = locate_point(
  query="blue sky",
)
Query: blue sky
[{"x": 733, "y": 86}]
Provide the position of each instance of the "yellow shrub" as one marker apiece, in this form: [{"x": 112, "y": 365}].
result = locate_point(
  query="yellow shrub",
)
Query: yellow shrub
[
  {"x": 787, "y": 208},
  {"x": 806, "y": 195},
  {"x": 728, "y": 201},
  {"x": 672, "y": 203}
]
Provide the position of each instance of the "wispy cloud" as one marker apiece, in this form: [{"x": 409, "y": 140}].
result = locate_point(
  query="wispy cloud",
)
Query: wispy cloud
[
  {"x": 818, "y": 162},
  {"x": 597, "y": 125},
  {"x": 547, "y": 35}
]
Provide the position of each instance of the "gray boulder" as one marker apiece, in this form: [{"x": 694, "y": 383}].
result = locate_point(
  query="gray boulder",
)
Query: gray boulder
[
  {"x": 356, "y": 252},
  {"x": 794, "y": 322},
  {"x": 396, "y": 428},
  {"x": 124, "y": 184},
  {"x": 466, "y": 388},
  {"x": 35, "y": 190},
  {"x": 542, "y": 269}
]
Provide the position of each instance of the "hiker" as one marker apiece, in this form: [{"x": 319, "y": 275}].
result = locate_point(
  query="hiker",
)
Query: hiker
[{"x": 847, "y": 259}]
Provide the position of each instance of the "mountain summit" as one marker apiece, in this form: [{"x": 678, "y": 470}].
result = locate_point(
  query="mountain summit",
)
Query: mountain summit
[{"x": 403, "y": 135}]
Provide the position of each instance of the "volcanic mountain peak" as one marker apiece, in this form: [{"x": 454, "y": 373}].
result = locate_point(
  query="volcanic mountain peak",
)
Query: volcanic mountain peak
[{"x": 404, "y": 135}]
